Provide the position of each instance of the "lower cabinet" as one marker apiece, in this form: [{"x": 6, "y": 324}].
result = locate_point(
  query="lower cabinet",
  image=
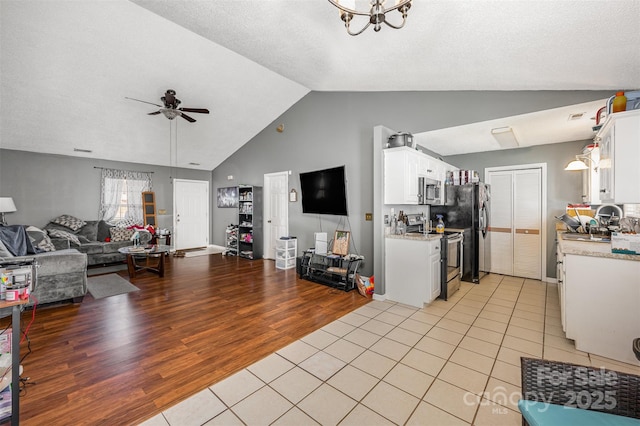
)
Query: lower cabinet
[
  {"x": 412, "y": 270},
  {"x": 435, "y": 269},
  {"x": 600, "y": 302}
]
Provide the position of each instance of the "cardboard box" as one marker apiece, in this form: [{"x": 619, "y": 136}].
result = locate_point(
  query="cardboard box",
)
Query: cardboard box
[{"x": 625, "y": 243}]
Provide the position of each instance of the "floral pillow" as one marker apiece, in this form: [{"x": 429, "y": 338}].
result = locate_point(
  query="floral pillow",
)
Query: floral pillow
[
  {"x": 121, "y": 234},
  {"x": 69, "y": 221}
]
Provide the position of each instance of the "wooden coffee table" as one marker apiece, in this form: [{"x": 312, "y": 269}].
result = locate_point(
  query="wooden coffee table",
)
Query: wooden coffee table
[{"x": 149, "y": 259}]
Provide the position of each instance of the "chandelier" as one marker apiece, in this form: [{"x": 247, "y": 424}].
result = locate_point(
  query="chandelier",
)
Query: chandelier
[{"x": 377, "y": 13}]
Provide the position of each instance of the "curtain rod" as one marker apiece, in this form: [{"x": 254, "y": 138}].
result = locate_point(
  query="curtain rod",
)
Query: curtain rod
[{"x": 109, "y": 168}]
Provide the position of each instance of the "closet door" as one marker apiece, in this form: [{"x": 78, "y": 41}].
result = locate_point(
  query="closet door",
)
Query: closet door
[
  {"x": 527, "y": 239},
  {"x": 501, "y": 222},
  {"x": 516, "y": 222}
]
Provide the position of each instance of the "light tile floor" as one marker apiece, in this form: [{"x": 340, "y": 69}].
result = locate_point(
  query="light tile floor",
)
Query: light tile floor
[{"x": 455, "y": 362}]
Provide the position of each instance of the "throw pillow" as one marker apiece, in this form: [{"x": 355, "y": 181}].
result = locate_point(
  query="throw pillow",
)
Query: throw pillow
[
  {"x": 103, "y": 231},
  {"x": 40, "y": 239},
  {"x": 57, "y": 233},
  {"x": 125, "y": 223},
  {"x": 52, "y": 225},
  {"x": 121, "y": 234},
  {"x": 69, "y": 221},
  {"x": 90, "y": 230},
  {"x": 3, "y": 251}
]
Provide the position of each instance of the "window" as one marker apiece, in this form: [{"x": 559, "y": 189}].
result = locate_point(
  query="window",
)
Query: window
[{"x": 121, "y": 195}]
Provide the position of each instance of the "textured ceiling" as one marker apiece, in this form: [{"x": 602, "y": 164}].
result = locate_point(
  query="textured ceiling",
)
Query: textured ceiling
[
  {"x": 69, "y": 64},
  {"x": 445, "y": 45}
]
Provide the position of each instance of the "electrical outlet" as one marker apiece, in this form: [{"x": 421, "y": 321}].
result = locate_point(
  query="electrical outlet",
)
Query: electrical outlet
[{"x": 368, "y": 216}]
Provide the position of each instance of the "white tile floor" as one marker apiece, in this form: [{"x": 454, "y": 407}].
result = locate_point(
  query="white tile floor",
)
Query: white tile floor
[{"x": 451, "y": 363}]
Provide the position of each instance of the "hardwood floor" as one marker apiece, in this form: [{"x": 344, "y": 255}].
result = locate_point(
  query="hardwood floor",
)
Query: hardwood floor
[{"x": 123, "y": 359}]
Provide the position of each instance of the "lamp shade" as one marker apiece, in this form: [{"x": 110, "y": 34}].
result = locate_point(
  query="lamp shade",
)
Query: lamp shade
[
  {"x": 576, "y": 165},
  {"x": 7, "y": 205}
]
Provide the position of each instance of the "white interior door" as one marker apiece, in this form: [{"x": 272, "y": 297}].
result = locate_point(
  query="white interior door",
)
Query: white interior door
[
  {"x": 501, "y": 221},
  {"x": 190, "y": 213},
  {"x": 527, "y": 224},
  {"x": 517, "y": 221},
  {"x": 276, "y": 211}
]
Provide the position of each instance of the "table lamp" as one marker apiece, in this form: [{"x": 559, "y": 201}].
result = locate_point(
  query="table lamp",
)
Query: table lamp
[{"x": 6, "y": 206}]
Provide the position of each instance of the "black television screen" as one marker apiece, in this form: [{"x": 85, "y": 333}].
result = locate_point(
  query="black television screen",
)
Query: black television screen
[{"x": 324, "y": 191}]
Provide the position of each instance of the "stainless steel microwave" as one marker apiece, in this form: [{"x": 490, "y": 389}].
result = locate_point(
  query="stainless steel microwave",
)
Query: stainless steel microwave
[{"x": 430, "y": 191}]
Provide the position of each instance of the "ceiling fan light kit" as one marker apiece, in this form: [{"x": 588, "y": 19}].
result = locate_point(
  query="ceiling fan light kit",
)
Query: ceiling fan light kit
[
  {"x": 170, "y": 108},
  {"x": 377, "y": 14}
]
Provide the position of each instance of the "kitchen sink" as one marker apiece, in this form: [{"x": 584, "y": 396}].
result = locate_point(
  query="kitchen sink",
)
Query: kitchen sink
[{"x": 586, "y": 237}]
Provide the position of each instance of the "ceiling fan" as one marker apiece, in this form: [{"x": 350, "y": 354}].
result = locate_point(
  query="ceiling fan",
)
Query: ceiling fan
[{"x": 170, "y": 108}]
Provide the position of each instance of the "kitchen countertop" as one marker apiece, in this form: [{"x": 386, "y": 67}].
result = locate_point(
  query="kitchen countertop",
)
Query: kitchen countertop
[
  {"x": 588, "y": 248},
  {"x": 420, "y": 236}
]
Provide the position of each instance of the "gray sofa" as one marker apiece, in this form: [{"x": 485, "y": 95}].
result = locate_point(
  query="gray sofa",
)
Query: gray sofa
[
  {"x": 92, "y": 242},
  {"x": 61, "y": 276}
]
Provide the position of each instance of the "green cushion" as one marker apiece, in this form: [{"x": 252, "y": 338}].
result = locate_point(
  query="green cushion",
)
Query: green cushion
[{"x": 544, "y": 414}]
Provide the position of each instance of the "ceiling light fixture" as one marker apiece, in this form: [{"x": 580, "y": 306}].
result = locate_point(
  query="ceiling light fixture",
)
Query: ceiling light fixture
[
  {"x": 505, "y": 137},
  {"x": 377, "y": 13},
  {"x": 576, "y": 164},
  {"x": 579, "y": 163}
]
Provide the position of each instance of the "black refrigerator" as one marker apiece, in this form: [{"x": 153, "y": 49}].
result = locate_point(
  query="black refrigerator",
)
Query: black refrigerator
[{"x": 467, "y": 207}]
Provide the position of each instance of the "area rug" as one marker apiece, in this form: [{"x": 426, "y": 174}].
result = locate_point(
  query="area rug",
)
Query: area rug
[
  {"x": 102, "y": 286},
  {"x": 101, "y": 270},
  {"x": 208, "y": 250}
]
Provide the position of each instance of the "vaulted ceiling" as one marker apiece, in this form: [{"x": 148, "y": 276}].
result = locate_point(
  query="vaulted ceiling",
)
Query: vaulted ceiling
[{"x": 66, "y": 67}]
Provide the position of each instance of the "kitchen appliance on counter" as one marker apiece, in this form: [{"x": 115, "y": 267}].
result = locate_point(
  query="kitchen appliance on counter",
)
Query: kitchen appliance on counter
[
  {"x": 430, "y": 191},
  {"x": 415, "y": 222},
  {"x": 467, "y": 207},
  {"x": 401, "y": 139},
  {"x": 451, "y": 256}
]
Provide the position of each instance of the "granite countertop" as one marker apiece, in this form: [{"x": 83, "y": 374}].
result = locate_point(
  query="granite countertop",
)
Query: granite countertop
[
  {"x": 415, "y": 237},
  {"x": 588, "y": 248}
]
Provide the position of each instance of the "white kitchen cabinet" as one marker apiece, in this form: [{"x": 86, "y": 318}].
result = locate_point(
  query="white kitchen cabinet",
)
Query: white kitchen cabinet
[
  {"x": 591, "y": 176},
  {"x": 401, "y": 176},
  {"x": 619, "y": 158},
  {"x": 412, "y": 271},
  {"x": 560, "y": 280},
  {"x": 435, "y": 269},
  {"x": 601, "y": 304}
]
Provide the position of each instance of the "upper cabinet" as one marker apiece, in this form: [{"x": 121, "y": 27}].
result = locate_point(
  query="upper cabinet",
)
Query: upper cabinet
[
  {"x": 619, "y": 165},
  {"x": 402, "y": 168},
  {"x": 591, "y": 176},
  {"x": 401, "y": 176}
]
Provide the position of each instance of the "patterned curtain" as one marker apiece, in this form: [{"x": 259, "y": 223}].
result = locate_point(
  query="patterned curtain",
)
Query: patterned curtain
[{"x": 115, "y": 183}]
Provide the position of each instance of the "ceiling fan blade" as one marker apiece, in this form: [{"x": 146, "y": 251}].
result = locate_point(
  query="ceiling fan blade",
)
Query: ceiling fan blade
[
  {"x": 198, "y": 110},
  {"x": 154, "y": 113},
  {"x": 144, "y": 102},
  {"x": 186, "y": 117}
]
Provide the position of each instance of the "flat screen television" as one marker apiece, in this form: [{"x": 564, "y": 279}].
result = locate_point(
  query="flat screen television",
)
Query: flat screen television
[{"x": 324, "y": 191}]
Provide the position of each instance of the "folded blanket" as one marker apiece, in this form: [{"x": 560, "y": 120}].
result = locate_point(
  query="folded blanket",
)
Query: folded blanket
[{"x": 16, "y": 240}]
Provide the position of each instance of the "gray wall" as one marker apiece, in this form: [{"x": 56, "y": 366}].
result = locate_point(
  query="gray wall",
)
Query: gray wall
[
  {"x": 326, "y": 129},
  {"x": 44, "y": 186}
]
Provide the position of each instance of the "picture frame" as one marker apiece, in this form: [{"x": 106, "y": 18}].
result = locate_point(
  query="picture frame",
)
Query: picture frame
[
  {"x": 228, "y": 197},
  {"x": 341, "y": 243}
]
